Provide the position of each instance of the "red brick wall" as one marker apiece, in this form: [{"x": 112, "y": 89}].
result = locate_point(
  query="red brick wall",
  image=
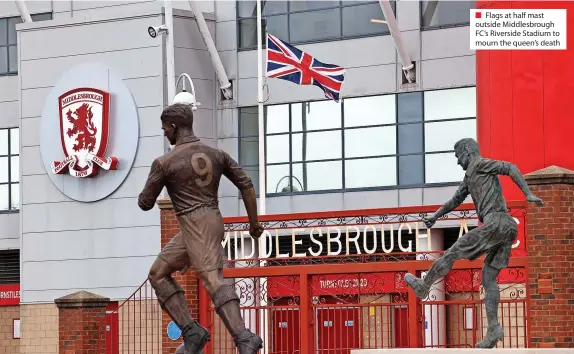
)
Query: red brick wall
[
  {"x": 81, "y": 327},
  {"x": 189, "y": 281},
  {"x": 550, "y": 243}
]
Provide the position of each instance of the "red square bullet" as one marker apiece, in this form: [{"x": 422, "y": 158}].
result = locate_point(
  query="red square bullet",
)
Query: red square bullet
[{"x": 478, "y": 15}]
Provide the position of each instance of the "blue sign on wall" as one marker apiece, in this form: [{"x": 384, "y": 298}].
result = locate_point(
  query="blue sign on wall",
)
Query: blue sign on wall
[{"x": 173, "y": 331}]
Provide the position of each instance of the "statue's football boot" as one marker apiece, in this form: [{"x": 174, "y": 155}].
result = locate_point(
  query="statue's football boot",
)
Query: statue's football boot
[
  {"x": 420, "y": 288},
  {"x": 493, "y": 336},
  {"x": 195, "y": 338},
  {"x": 248, "y": 343}
]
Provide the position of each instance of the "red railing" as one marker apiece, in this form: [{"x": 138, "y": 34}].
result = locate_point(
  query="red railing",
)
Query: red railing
[
  {"x": 135, "y": 326},
  {"x": 336, "y": 303},
  {"x": 330, "y": 304}
]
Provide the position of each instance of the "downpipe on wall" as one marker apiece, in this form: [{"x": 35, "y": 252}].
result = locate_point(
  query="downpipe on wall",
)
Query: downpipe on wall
[
  {"x": 408, "y": 66},
  {"x": 170, "y": 51},
  {"x": 23, "y": 9},
  {"x": 224, "y": 83}
]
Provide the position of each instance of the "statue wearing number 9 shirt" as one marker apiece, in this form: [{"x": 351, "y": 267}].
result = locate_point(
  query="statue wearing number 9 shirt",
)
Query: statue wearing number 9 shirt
[{"x": 191, "y": 173}]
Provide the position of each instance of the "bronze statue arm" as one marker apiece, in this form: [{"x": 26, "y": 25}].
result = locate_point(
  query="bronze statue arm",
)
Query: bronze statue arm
[
  {"x": 250, "y": 202},
  {"x": 519, "y": 180},
  {"x": 459, "y": 197},
  {"x": 152, "y": 189}
]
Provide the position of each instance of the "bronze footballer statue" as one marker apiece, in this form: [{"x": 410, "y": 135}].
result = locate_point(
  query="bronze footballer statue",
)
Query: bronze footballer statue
[
  {"x": 495, "y": 237},
  {"x": 191, "y": 173}
]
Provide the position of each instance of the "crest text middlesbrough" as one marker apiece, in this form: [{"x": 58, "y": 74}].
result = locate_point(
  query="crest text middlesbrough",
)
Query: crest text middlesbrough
[{"x": 84, "y": 128}]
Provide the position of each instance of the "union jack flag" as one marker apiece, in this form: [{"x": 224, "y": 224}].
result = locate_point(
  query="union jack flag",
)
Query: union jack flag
[{"x": 289, "y": 63}]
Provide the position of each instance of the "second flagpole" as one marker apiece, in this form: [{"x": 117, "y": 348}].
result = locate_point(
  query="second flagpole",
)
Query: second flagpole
[
  {"x": 261, "y": 283},
  {"x": 261, "y": 118}
]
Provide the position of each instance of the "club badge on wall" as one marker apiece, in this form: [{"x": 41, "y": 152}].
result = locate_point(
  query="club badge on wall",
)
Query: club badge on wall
[{"x": 84, "y": 129}]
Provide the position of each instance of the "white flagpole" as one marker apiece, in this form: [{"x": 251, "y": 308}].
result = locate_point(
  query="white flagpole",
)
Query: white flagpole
[
  {"x": 261, "y": 119},
  {"x": 261, "y": 299}
]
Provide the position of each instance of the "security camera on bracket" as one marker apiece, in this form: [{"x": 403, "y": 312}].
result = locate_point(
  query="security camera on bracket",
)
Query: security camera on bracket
[{"x": 153, "y": 31}]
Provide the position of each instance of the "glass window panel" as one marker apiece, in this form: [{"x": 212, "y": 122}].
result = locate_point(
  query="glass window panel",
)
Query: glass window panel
[
  {"x": 363, "y": 173},
  {"x": 4, "y": 202},
  {"x": 14, "y": 141},
  {"x": 248, "y": 124},
  {"x": 441, "y": 168},
  {"x": 3, "y": 169},
  {"x": 357, "y": 20},
  {"x": 277, "y": 148},
  {"x": 277, "y": 119},
  {"x": 315, "y": 115},
  {"x": 443, "y": 13},
  {"x": 355, "y": 2},
  {"x": 316, "y": 25},
  {"x": 410, "y": 138},
  {"x": 3, "y": 141},
  {"x": 441, "y": 136},
  {"x": 364, "y": 142},
  {"x": 410, "y": 107},
  {"x": 272, "y": 24},
  {"x": 14, "y": 169},
  {"x": 277, "y": 178},
  {"x": 411, "y": 170},
  {"x": 15, "y": 197},
  {"x": 249, "y": 8},
  {"x": 13, "y": 59},
  {"x": 3, "y": 31},
  {"x": 302, "y": 5},
  {"x": 372, "y": 110},
  {"x": 253, "y": 173},
  {"x": 12, "y": 35},
  {"x": 316, "y": 176},
  {"x": 448, "y": 104},
  {"x": 318, "y": 146},
  {"x": 249, "y": 151},
  {"x": 42, "y": 17},
  {"x": 3, "y": 60}
]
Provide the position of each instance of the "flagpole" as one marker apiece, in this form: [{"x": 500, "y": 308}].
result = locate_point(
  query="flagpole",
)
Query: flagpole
[
  {"x": 261, "y": 284},
  {"x": 261, "y": 119}
]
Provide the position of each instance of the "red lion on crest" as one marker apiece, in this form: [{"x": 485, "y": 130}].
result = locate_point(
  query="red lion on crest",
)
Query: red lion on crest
[{"x": 84, "y": 127}]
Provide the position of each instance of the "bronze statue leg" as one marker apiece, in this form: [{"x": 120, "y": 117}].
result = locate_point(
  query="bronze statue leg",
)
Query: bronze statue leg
[
  {"x": 171, "y": 296},
  {"x": 469, "y": 246},
  {"x": 203, "y": 231},
  {"x": 495, "y": 331},
  {"x": 225, "y": 301}
]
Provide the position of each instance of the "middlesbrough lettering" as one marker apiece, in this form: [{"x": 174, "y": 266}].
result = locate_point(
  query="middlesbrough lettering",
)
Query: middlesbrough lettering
[
  {"x": 84, "y": 129},
  {"x": 336, "y": 239}
]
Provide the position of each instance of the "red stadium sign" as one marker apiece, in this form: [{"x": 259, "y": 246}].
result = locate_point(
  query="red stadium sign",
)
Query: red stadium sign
[
  {"x": 340, "y": 284},
  {"x": 10, "y": 295}
]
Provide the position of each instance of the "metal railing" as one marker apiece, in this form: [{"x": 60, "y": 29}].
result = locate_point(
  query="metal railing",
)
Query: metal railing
[{"x": 135, "y": 326}]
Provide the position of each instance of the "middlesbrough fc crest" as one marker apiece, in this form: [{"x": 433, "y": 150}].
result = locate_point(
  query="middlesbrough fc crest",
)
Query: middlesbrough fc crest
[{"x": 84, "y": 120}]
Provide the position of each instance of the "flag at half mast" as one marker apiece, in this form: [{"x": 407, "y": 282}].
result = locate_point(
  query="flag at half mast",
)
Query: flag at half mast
[{"x": 286, "y": 62}]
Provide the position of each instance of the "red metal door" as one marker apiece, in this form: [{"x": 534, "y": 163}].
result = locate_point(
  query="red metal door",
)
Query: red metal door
[
  {"x": 338, "y": 330},
  {"x": 285, "y": 331},
  {"x": 112, "y": 329},
  {"x": 401, "y": 329}
]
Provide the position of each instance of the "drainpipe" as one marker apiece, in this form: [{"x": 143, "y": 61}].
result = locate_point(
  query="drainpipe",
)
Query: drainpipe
[
  {"x": 408, "y": 66},
  {"x": 170, "y": 51},
  {"x": 224, "y": 83},
  {"x": 23, "y": 11}
]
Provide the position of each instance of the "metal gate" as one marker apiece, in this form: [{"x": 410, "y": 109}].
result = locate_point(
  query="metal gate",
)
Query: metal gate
[{"x": 302, "y": 298}]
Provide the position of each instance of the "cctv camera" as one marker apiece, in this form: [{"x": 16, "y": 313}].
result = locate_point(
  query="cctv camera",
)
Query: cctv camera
[{"x": 155, "y": 30}]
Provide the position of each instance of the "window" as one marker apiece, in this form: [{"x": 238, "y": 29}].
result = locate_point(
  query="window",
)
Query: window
[
  {"x": 9, "y": 169},
  {"x": 300, "y": 21},
  {"x": 8, "y": 42},
  {"x": 445, "y": 13},
  {"x": 450, "y": 115},
  {"x": 404, "y": 139}
]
